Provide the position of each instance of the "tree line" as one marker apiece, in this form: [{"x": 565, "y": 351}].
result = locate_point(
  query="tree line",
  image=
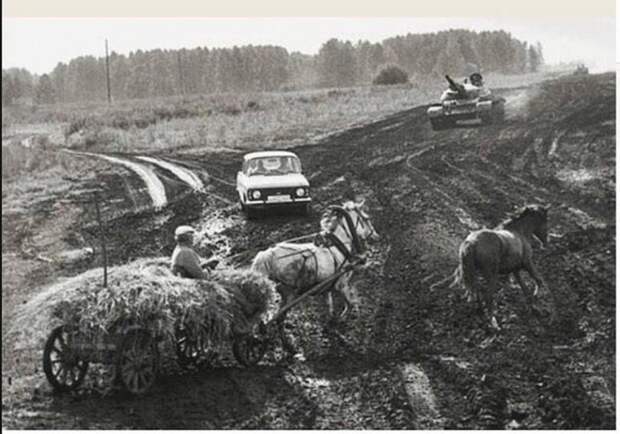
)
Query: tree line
[{"x": 160, "y": 73}]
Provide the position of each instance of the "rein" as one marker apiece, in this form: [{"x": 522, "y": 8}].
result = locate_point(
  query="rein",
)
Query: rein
[
  {"x": 350, "y": 228},
  {"x": 246, "y": 252}
]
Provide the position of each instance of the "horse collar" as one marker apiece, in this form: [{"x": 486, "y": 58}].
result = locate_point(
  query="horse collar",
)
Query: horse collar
[{"x": 337, "y": 242}]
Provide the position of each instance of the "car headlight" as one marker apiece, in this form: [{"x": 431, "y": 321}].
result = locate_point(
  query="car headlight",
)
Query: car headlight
[
  {"x": 300, "y": 192},
  {"x": 256, "y": 194}
]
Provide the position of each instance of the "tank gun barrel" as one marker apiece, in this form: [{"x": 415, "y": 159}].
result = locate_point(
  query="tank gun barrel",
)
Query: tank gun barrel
[{"x": 455, "y": 86}]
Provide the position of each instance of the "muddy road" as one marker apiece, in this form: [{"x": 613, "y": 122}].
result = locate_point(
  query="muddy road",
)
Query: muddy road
[{"x": 411, "y": 358}]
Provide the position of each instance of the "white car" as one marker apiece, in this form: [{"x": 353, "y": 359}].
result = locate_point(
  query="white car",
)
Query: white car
[{"x": 272, "y": 178}]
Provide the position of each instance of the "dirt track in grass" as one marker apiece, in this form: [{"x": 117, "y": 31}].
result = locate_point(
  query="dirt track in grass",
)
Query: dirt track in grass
[{"x": 411, "y": 358}]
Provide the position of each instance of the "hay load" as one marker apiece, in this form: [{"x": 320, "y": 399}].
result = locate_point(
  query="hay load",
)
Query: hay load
[{"x": 146, "y": 293}]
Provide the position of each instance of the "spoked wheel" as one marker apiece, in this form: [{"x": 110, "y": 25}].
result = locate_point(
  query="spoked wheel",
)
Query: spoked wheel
[
  {"x": 63, "y": 368},
  {"x": 249, "y": 349},
  {"x": 138, "y": 362},
  {"x": 194, "y": 351}
]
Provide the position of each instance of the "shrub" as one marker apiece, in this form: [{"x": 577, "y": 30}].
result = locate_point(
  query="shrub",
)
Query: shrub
[{"x": 391, "y": 74}]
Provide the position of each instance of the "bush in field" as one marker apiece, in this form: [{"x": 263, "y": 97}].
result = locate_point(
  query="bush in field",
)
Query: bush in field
[
  {"x": 391, "y": 74},
  {"x": 231, "y": 110},
  {"x": 78, "y": 124}
]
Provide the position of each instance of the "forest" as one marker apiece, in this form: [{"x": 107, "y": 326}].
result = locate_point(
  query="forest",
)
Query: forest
[{"x": 202, "y": 70}]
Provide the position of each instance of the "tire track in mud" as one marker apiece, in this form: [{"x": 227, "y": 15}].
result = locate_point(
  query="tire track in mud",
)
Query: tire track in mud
[
  {"x": 185, "y": 175},
  {"x": 154, "y": 185},
  {"x": 187, "y": 172},
  {"x": 434, "y": 320},
  {"x": 406, "y": 340},
  {"x": 463, "y": 216},
  {"x": 209, "y": 169}
]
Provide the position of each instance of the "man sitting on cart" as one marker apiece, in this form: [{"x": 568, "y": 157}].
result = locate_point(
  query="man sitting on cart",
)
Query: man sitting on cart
[{"x": 185, "y": 261}]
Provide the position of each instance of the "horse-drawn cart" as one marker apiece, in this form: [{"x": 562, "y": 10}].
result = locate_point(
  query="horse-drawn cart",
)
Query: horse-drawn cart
[
  {"x": 123, "y": 326},
  {"x": 132, "y": 351}
]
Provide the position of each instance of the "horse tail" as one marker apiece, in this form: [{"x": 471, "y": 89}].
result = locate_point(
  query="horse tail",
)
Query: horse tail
[
  {"x": 467, "y": 266},
  {"x": 262, "y": 263}
]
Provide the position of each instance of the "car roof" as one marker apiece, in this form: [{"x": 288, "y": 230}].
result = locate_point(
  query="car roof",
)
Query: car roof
[{"x": 262, "y": 154}]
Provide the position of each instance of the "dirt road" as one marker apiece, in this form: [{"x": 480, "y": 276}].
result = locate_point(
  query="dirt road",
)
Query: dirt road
[{"x": 412, "y": 358}]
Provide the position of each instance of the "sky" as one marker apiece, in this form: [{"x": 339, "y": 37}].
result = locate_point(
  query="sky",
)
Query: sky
[{"x": 38, "y": 44}]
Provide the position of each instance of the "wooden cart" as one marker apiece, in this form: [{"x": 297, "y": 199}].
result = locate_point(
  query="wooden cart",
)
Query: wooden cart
[{"x": 132, "y": 351}]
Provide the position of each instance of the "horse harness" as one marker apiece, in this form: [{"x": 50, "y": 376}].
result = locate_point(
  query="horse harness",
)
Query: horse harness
[{"x": 330, "y": 239}]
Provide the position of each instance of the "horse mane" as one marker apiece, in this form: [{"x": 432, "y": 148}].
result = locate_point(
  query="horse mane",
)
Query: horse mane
[{"x": 516, "y": 216}]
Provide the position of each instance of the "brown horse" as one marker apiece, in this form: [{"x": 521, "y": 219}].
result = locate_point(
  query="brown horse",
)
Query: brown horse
[{"x": 506, "y": 249}]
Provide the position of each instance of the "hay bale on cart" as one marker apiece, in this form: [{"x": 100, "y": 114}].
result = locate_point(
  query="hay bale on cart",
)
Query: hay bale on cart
[{"x": 143, "y": 305}]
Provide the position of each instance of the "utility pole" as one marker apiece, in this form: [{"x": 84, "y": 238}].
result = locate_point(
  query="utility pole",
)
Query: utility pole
[
  {"x": 107, "y": 71},
  {"x": 181, "y": 80}
]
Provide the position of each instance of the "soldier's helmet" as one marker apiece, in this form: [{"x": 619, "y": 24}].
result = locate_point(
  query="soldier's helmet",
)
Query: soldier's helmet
[{"x": 476, "y": 79}]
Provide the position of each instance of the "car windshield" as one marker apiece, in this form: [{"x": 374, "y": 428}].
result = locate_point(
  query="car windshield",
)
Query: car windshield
[{"x": 273, "y": 166}]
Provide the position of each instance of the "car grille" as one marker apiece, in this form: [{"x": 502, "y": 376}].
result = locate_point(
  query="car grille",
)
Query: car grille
[{"x": 266, "y": 192}]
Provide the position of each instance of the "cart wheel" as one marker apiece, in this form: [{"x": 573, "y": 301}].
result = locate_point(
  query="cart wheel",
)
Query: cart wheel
[
  {"x": 193, "y": 351},
  {"x": 63, "y": 368},
  {"x": 248, "y": 349},
  {"x": 138, "y": 362}
]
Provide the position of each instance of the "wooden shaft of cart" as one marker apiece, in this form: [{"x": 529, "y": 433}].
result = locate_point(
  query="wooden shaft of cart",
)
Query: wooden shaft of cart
[{"x": 318, "y": 288}]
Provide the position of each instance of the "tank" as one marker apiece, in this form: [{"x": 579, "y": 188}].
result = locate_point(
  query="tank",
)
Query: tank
[{"x": 468, "y": 101}]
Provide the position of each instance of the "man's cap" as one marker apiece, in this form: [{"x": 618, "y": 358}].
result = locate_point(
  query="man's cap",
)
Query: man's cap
[{"x": 182, "y": 230}]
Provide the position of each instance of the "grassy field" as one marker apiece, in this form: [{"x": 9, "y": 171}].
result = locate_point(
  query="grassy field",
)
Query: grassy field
[
  {"x": 254, "y": 120},
  {"x": 32, "y": 135}
]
